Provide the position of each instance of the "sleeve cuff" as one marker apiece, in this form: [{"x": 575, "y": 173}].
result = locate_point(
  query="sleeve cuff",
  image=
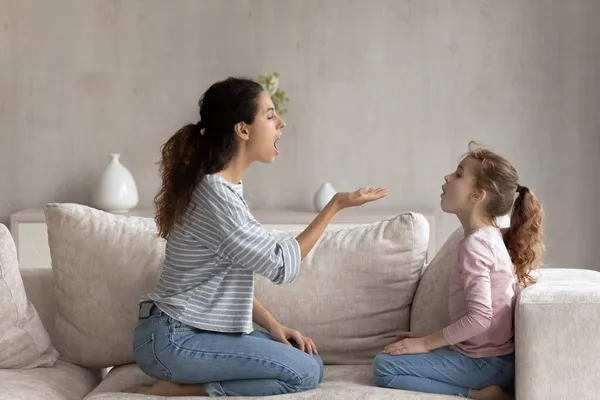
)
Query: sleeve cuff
[
  {"x": 448, "y": 336},
  {"x": 291, "y": 259}
]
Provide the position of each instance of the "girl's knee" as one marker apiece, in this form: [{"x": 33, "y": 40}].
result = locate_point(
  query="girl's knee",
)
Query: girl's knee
[
  {"x": 381, "y": 365},
  {"x": 380, "y": 372},
  {"x": 385, "y": 370}
]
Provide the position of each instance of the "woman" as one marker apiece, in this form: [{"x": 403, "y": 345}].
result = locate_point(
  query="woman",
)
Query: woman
[{"x": 195, "y": 333}]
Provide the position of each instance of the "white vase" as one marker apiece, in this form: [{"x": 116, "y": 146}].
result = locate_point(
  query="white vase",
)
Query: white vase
[
  {"x": 115, "y": 190},
  {"x": 323, "y": 196}
]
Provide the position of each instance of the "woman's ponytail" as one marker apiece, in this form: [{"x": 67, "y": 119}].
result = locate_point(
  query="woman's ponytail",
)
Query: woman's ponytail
[{"x": 180, "y": 167}]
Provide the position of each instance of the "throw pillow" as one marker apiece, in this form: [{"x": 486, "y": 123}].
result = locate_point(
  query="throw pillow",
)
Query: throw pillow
[
  {"x": 430, "y": 308},
  {"x": 103, "y": 264},
  {"x": 355, "y": 288},
  {"x": 24, "y": 342}
]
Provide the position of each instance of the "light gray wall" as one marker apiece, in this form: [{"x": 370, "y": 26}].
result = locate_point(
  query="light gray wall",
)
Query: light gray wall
[{"x": 383, "y": 93}]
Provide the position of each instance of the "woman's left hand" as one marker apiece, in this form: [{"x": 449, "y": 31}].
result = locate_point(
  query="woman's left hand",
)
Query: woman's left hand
[
  {"x": 282, "y": 334},
  {"x": 406, "y": 346}
]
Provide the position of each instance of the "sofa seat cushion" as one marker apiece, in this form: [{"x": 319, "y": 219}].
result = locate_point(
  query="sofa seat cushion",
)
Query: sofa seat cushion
[
  {"x": 63, "y": 381},
  {"x": 344, "y": 382}
]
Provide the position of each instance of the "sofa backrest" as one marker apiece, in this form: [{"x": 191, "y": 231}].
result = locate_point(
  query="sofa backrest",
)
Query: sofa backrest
[
  {"x": 430, "y": 306},
  {"x": 39, "y": 286}
]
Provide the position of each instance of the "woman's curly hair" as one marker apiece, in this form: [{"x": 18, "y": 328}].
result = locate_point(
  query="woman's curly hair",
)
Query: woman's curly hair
[{"x": 204, "y": 148}]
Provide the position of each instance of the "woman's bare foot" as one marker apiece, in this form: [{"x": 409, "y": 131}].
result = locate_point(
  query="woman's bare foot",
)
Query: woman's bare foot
[
  {"x": 166, "y": 388},
  {"x": 490, "y": 393}
]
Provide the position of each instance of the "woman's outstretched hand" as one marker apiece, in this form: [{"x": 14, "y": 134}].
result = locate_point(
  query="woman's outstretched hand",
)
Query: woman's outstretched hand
[
  {"x": 358, "y": 198},
  {"x": 309, "y": 237}
]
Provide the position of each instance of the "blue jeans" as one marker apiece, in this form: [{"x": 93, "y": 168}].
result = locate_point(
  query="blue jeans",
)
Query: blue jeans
[
  {"x": 443, "y": 371},
  {"x": 226, "y": 364}
]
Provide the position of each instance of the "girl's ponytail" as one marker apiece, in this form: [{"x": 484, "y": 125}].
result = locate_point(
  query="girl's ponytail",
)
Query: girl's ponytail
[{"x": 524, "y": 237}]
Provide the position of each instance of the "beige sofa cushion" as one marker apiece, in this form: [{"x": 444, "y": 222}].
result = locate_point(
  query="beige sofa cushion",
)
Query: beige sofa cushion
[
  {"x": 345, "y": 382},
  {"x": 103, "y": 264},
  {"x": 39, "y": 286},
  {"x": 355, "y": 288},
  {"x": 24, "y": 343},
  {"x": 430, "y": 307},
  {"x": 63, "y": 381}
]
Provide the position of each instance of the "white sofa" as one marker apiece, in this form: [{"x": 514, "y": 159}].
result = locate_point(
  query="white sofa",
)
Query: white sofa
[{"x": 358, "y": 288}]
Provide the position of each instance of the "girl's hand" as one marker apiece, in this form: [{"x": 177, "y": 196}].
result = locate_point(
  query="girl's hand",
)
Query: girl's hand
[
  {"x": 410, "y": 335},
  {"x": 282, "y": 333},
  {"x": 358, "y": 198},
  {"x": 406, "y": 346}
]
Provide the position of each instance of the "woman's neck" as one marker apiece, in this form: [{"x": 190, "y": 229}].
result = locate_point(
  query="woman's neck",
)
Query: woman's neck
[{"x": 235, "y": 170}]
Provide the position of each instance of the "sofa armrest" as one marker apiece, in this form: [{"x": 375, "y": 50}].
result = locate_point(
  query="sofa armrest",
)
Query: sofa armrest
[{"x": 557, "y": 336}]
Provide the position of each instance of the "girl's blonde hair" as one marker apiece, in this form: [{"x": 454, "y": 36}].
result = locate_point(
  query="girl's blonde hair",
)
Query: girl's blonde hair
[{"x": 524, "y": 238}]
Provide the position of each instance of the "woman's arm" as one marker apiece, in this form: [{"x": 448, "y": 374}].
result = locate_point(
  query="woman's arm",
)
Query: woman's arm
[
  {"x": 280, "y": 333},
  {"x": 252, "y": 247},
  {"x": 309, "y": 237},
  {"x": 262, "y": 316}
]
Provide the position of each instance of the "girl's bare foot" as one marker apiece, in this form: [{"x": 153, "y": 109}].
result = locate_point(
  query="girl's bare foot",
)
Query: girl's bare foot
[
  {"x": 490, "y": 393},
  {"x": 135, "y": 389},
  {"x": 165, "y": 388}
]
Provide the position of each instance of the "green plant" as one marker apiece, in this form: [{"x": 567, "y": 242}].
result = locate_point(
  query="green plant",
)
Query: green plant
[{"x": 271, "y": 84}]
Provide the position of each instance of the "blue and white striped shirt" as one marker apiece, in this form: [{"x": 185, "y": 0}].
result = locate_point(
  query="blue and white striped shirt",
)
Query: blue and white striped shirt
[{"x": 207, "y": 280}]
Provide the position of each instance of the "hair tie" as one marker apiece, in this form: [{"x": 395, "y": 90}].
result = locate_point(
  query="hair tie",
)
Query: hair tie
[
  {"x": 200, "y": 127},
  {"x": 521, "y": 189}
]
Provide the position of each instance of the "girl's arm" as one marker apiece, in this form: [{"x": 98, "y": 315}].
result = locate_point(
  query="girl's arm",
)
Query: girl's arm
[{"x": 475, "y": 258}]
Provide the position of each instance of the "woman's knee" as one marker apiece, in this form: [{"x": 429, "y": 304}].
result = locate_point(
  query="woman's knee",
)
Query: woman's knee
[
  {"x": 319, "y": 368},
  {"x": 311, "y": 374},
  {"x": 316, "y": 372}
]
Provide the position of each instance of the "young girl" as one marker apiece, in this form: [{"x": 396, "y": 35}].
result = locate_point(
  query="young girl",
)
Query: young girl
[
  {"x": 195, "y": 333},
  {"x": 474, "y": 356}
]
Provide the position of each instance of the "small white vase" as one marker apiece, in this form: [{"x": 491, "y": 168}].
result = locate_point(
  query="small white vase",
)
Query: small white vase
[
  {"x": 115, "y": 190},
  {"x": 323, "y": 196}
]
